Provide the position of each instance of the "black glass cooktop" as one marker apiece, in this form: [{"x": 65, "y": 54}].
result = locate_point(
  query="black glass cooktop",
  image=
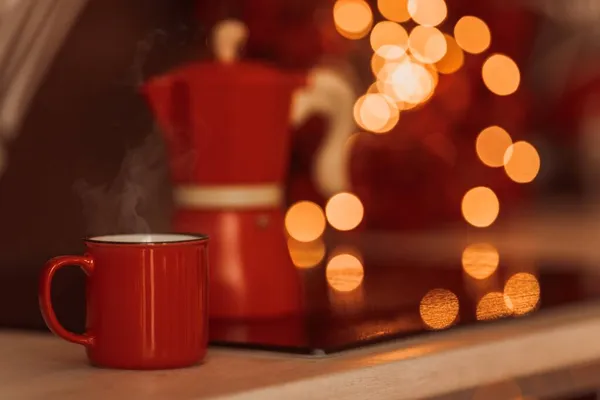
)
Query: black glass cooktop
[{"x": 353, "y": 302}]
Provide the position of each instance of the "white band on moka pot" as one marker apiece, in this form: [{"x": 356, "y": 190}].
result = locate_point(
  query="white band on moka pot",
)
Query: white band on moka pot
[{"x": 238, "y": 197}]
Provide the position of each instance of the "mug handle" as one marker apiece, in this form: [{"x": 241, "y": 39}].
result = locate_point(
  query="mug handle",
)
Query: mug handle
[{"x": 86, "y": 263}]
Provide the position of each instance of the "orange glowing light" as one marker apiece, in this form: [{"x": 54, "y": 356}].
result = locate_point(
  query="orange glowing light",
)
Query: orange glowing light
[
  {"x": 394, "y": 10},
  {"x": 522, "y": 293},
  {"x": 347, "y": 249},
  {"x": 373, "y": 88},
  {"x": 472, "y": 34},
  {"x": 388, "y": 91},
  {"x": 406, "y": 81},
  {"x": 453, "y": 59},
  {"x": 344, "y": 273},
  {"x": 480, "y": 207},
  {"x": 353, "y": 18},
  {"x": 344, "y": 211},
  {"x": 492, "y": 306},
  {"x": 439, "y": 308},
  {"x": 377, "y": 63},
  {"x": 501, "y": 75},
  {"x": 427, "y": 12},
  {"x": 389, "y": 40},
  {"x": 305, "y": 221},
  {"x": 522, "y": 162},
  {"x": 306, "y": 254},
  {"x": 376, "y": 112},
  {"x": 427, "y": 44},
  {"x": 480, "y": 260},
  {"x": 491, "y": 146}
]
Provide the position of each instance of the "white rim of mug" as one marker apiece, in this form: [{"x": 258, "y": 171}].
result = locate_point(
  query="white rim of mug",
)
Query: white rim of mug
[{"x": 185, "y": 237}]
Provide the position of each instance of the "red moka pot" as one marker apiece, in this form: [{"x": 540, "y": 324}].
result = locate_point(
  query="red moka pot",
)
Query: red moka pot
[{"x": 227, "y": 129}]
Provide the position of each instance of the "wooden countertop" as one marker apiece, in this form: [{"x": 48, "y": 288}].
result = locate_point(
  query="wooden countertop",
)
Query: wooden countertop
[
  {"x": 549, "y": 353},
  {"x": 40, "y": 366}
]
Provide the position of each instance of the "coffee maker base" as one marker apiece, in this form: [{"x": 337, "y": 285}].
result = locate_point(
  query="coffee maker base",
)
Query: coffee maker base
[{"x": 251, "y": 272}]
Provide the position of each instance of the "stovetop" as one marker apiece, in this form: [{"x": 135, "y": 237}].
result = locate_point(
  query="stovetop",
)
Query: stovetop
[{"x": 351, "y": 301}]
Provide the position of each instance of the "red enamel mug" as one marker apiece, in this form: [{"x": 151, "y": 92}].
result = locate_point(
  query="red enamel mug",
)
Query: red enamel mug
[{"x": 147, "y": 300}]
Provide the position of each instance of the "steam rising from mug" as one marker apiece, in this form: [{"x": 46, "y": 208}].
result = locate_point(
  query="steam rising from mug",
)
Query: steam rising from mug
[{"x": 118, "y": 207}]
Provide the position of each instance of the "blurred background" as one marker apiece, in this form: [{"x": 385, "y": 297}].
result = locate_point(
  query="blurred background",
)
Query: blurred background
[{"x": 465, "y": 114}]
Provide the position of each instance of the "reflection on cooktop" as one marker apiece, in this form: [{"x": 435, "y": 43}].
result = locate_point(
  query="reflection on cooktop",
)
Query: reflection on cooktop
[{"x": 351, "y": 301}]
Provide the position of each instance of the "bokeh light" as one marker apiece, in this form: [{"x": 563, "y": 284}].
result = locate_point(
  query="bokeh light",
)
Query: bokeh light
[
  {"x": 377, "y": 63},
  {"x": 427, "y": 12},
  {"x": 353, "y": 18},
  {"x": 373, "y": 88},
  {"x": 472, "y": 34},
  {"x": 394, "y": 10},
  {"x": 427, "y": 44},
  {"x": 306, "y": 254},
  {"x": 480, "y": 207},
  {"x": 347, "y": 249},
  {"x": 491, "y": 146},
  {"x": 344, "y": 211},
  {"x": 480, "y": 260},
  {"x": 406, "y": 81},
  {"x": 344, "y": 273},
  {"x": 439, "y": 308},
  {"x": 389, "y": 40},
  {"x": 501, "y": 75},
  {"x": 522, "y": 293},
  {"x": 492, "y": 306},
  {"x": 522, "y": 162},
  {"x": 305, "y": 221},
  {"x": 453, "y": 59},
  {"x": 376, "y": 112}
]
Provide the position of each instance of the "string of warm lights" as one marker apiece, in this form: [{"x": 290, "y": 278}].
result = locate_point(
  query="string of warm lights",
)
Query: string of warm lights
[{"x": 407, "y": 67}]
